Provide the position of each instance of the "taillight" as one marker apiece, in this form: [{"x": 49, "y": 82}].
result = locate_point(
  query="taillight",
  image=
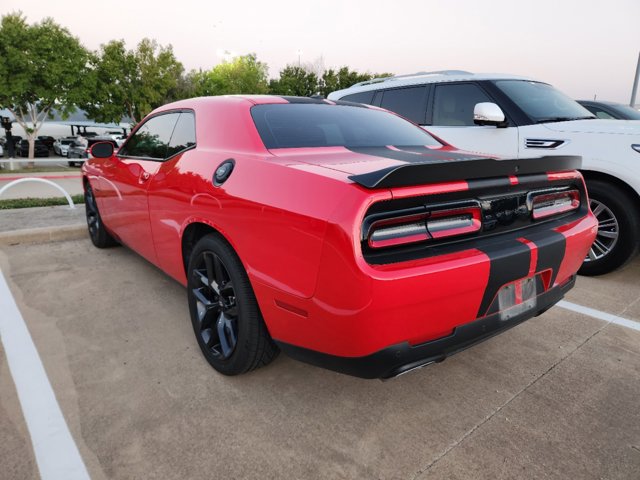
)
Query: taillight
[
  {"x": 545, "y": 205},
  {"x": 448, "y": 223},
  {"x": 421, "y": 227}
]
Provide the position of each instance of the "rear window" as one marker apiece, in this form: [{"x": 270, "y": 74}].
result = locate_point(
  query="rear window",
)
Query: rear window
[{"x": 321, "y": 125}]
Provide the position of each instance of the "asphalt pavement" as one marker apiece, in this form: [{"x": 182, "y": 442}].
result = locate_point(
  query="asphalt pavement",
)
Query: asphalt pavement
[{"x": 555, "y": 397}]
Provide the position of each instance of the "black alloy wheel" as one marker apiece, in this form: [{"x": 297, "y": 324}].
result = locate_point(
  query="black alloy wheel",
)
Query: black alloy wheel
[
  {"x": 224, "y": 312},
  {"x": 98, "y": 234},
  {"x": 216, "y": 306}
]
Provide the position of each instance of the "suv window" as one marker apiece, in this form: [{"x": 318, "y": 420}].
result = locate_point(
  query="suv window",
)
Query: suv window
[
  {"x": 541, "y": 102},
  {"x": 598, "y": 112},
  {"x": 453, "y": 104},
  {"x": 408, "y": 102},
  {"x": 184, "y": 134},
  {"x": 151, "y": 140},
  {"x": 362, "y": 97}
]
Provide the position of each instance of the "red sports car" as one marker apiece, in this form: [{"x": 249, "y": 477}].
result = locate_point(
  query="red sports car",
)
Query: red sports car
[{"x": 342, "y": 234}]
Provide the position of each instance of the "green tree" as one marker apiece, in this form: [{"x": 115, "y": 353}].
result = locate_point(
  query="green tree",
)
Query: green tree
[
  {"x": 42, "y": 68},
  {"x": 333, "y": 80},
  {"x": 131, "y": 82},
  {"x": 295, "y": 80},
  {"x": 243, "y": 74}
]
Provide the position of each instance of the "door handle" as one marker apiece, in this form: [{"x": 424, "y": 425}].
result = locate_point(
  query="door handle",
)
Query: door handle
[{"x": 144, "y": 176}]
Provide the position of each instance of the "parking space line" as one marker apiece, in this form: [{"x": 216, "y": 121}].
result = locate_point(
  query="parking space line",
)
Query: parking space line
[
  {"x": 607, "y": 317},
  {"x": 56, "y": 453}
]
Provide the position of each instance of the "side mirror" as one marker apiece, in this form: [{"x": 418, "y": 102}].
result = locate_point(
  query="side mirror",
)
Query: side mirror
[
  {"x": 101, "y": 150},
  {"x": 488, "y": 113}
]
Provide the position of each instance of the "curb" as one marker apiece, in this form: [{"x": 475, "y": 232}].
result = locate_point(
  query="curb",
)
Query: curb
[{"x": 44, "y": 234}]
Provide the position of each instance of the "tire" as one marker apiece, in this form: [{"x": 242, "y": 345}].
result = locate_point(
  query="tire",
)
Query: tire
[
  {"x": 224, "y": 312},
  {"x": 618, "y": 236},
  {"x": 98, "y": 234},
  {"x": 72, "y": 164}
]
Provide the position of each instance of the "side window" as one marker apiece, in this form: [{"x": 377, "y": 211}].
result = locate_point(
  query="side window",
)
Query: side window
[
  {"x": 362, "y": 97},
  {"x": 184, "y": 134},
  {"x": 453, "y": 104},
  {"x": 151, "y": 140},
  {"x": 409, "y": 102},
  {"x": 601, "y": 114}
]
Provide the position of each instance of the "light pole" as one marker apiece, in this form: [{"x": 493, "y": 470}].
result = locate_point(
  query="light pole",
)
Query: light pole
[{"x": 632, "y": 103}]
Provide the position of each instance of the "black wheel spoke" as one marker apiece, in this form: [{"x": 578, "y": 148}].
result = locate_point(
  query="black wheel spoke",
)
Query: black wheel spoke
[
  {"x": 208, "y": 261},
  {"x": 216, "y": 307},
  {"x": 218, "y": 272},
  {"x": 226, "y": 334}
]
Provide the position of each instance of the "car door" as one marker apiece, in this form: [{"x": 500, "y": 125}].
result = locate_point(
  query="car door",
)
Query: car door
[
  {"x": 451, "y": 119},
  {"x": 128, "y": 175}
]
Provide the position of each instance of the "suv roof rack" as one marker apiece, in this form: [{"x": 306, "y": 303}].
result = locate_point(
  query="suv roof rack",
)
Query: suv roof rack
[{"x": 411, "y": 75}]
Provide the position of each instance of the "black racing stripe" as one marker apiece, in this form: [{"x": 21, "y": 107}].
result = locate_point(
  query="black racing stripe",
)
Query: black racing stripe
[
  {"x": 350, "y": 104},
  {"x": 551, "y": 251},
  {"x": 489, "y": 183},
  {"x": 428, "y": 156},
  {"x": 539, "y": 177},
  {"x": 509, "y": 261},
  {"x": 291, "y": 99}
]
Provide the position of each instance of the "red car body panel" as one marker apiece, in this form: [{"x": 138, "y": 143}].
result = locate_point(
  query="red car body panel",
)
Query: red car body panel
[{"x": 295, "y": 219}]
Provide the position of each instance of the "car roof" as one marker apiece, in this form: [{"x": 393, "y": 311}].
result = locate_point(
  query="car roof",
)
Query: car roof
[
  {"x": 203, "y": 102},
  {"x": 421, "y": 78}
]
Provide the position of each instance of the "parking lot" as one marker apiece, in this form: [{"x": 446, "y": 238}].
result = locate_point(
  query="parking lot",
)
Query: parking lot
[{"x": 553, "y": 398}]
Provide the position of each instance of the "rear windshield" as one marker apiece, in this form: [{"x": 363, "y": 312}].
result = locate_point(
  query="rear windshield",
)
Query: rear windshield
[{"x": 299, "y": 125}]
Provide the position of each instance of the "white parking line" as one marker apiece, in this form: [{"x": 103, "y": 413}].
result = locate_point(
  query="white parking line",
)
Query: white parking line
[
  {"x": 607, "y": 317},
  {"x": 56, "y": 453}
]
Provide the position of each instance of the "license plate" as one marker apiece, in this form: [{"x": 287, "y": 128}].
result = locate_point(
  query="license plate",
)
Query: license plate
[{"x": 517, "y": 297}]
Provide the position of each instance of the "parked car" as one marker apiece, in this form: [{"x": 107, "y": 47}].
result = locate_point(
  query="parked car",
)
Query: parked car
[
  {"x": 16, "y": 141},
  {"x": 345, "y": 236},
  {"x": 119, "y": 137},
  {"x": 610, "y": 110},
  {"x": 47, "y": 140},
  {"x": 78, "y": 151},
  {"x": 61, "y": 145},
  {"x": 40, "y": 149},
  {"x": 520, "y": 117}
]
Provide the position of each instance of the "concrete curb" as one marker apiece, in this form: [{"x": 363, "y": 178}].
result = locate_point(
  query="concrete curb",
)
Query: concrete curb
[{"x": 44, "y": 234}]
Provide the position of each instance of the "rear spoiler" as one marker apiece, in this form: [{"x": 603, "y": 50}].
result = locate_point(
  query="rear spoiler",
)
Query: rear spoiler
[{"x": 468, "y": 168}]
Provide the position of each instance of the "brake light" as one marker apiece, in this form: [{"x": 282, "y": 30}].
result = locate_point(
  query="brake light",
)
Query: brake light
[
  {"x": 422, "y": 227},
  {"x": 545, "y": 205}
]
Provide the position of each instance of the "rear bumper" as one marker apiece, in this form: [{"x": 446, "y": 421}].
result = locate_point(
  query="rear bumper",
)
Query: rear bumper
[{"x": 400, "y": 358}]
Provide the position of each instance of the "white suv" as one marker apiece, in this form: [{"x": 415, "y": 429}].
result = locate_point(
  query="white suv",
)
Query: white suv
[{"x": 518, "y": 117}]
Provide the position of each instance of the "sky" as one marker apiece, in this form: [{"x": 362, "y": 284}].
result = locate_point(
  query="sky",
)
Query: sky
[{"x": 585, "y": 48}]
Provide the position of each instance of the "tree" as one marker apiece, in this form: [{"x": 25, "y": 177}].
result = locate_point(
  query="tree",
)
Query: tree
[
  {"x": 243, "y": 74},
  {"x": 333, "y": 80},
  {"x": 295, "y": 80},
  {"x": 131, "y": 82},
  {"x": 42, "y": 67}
]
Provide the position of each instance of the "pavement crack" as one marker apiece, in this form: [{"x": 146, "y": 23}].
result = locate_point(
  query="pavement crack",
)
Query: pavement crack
[{"x": 501, "y": 407}]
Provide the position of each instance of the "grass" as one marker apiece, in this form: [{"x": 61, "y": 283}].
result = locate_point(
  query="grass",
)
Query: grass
[{"x": 38, "y": 202}]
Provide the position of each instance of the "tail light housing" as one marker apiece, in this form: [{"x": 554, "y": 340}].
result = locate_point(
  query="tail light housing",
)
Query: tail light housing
[
  {"x": 420, "y": 227},
  {"x": 547, "y": 204}
]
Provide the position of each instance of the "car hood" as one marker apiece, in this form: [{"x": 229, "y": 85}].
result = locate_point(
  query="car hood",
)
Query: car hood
[{"x": 610, "y": 127}]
